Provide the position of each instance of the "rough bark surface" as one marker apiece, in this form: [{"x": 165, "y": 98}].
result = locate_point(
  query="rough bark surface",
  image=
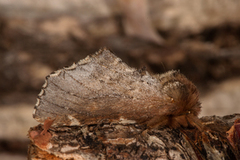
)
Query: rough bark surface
[{"x": 132, "y": 141}]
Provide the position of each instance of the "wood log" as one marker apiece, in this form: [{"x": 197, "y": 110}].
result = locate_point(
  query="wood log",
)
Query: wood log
[{"x": 132, "y": 141}]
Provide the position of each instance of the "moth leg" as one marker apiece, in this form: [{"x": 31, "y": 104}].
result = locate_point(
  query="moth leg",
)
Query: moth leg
[
  {"x": 204, "y": 131},
  {"x": 157, "y": 121},
  {"x": 195, "y": 121},
  {"x": 194, "y": 147}
]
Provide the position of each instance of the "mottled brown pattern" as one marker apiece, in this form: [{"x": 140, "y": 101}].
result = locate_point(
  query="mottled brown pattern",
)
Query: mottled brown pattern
[{"x": 103, "y": 88}]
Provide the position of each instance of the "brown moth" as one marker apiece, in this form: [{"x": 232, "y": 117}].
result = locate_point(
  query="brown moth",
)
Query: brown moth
[{"x": 102, "y": 88}]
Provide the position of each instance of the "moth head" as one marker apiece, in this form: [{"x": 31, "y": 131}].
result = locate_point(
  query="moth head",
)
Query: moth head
[{"x": 182, "y": 97}]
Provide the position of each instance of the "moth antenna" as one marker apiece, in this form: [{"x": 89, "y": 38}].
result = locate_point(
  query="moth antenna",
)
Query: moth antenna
[{"x": 164, "y": 68}]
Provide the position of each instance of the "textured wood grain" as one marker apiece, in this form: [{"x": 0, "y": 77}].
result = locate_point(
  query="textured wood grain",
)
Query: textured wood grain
[{"x": 126, "y": 141}]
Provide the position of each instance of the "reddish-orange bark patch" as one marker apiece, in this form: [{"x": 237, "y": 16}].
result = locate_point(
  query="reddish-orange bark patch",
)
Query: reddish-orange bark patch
[{"x": 42, "y": 138}]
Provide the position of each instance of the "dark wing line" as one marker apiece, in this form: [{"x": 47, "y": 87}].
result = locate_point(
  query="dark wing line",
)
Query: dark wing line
[
  {"x": 91, "y": 89},
  {"x": 70, "y": 109},
  {"x": 47, "y": 111},
  {"x": 102, "y": 95},
  {"x": 72, "y": 94}
]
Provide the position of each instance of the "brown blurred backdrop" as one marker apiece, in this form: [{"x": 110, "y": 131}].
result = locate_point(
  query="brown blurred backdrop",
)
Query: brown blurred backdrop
[{"x": 200, "y": 38}]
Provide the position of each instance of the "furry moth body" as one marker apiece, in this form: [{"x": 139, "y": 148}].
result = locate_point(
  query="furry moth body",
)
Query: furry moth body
[{"x": 103, "y": 88}]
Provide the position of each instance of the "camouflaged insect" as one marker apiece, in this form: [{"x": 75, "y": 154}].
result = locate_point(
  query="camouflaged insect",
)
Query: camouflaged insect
[{"x": 102, "y": 88}]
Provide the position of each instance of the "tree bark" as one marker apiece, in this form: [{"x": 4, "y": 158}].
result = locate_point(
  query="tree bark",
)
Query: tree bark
[{"x": 133, "y": 141}]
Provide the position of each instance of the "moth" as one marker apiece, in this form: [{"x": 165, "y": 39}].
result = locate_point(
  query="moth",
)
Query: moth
[{"x": 102, "y": 88}]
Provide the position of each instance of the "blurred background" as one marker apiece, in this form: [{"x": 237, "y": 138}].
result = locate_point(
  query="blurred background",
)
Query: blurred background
[{"x": 200, "y": 38}]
